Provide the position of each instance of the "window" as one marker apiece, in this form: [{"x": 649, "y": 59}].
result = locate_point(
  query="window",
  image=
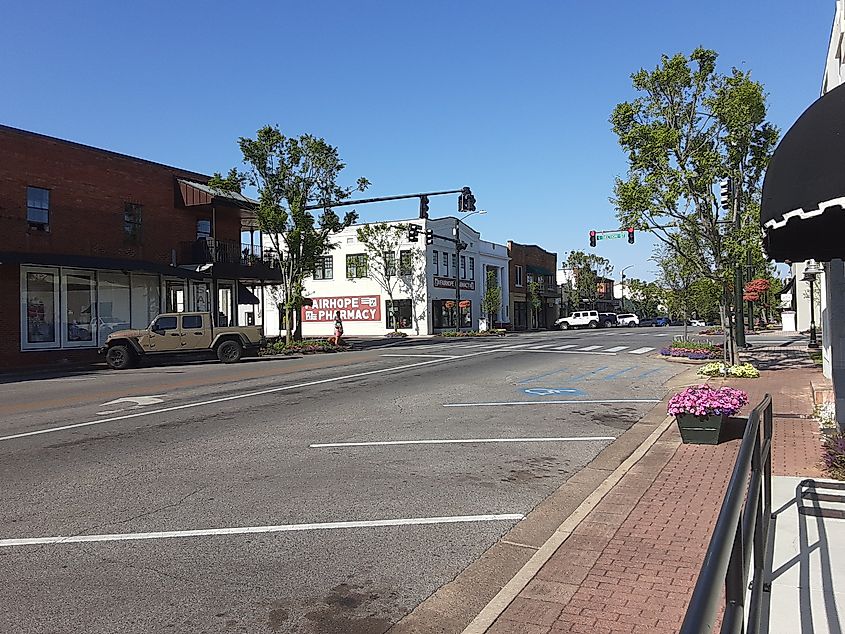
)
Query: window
[
  {"x": 436, "y": 263},
  {"x": 356, "y": 265},
  {"x": 165, "y": 323},
  {"x": 443, "y": 313},
  {"x": 472, "y": 268},
  {"x": 406, "y": 263},
  {"x": 78, "y": 327},
  {"x": 390, "y": 264},
  {"x": 399, "y": 309},
  {"x": 455, "y": 262},
  {"x": 445, "y": 264},
  {"x": 145, "y": 300},
  {"x": 463, "y": 267},
  {"x": 203, "y": 229},
  {"x": 517, "y": 275},
  {"x": 113, "y": 304},
  {"x": 132, "y": 222},
  {"x": 38, "y": 208},
  {"x": 39, "y": 308},
  {"x": 324, "y": 269},
  {"x": 191, "y": 322}
]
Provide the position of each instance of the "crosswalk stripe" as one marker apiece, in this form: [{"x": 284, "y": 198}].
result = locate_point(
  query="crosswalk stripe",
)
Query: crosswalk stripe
[
  {"x": 569, "y": 345},
  {"x": 616, "y": 349},
  {"x": 641, "y": 350},
  {"x": 519, "y": 345},
  {"x": 472, "y": 345},
  {"x": 588, "y": 348},
  {"x": 545, "y": 345}
]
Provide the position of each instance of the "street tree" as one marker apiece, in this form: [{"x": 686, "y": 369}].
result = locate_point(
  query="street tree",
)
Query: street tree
[
  {"x": 291, "y": 174},
  {"x": 689, "y": 127},
  {"x": 535, "y": 300},
  {"x": 387, "y": 262},
  {"x": 586, "y": 269},
  {"x": 645, "y": 296},
  {"x": 415, "y": 286},
  {"x": 492, "y": 299}
]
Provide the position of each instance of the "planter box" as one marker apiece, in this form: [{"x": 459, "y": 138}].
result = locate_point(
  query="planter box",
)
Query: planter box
[{"x": 700, "y": 430}]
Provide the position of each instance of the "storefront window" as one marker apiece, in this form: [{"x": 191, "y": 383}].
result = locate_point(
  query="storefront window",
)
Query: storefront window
[
  {"x": 78, "y": 326},
  {"x": 402, "y": 312},
  {"x": 40, "y": 304},
  {"x": 443, "y": 313},
  {"x": 224, "y": 305},
  {"x": 113, "y": 304},
  {"x": 201, "y": 297},
  {"x": 175, "y": 290},
  {"x": 145, "y": 300}
]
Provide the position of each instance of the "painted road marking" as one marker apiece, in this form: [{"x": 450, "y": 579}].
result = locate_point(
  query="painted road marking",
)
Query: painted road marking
[
  {"x": 139, "y": 401},
  {"x": 590, "y": 373},
  {"x": 236, "y": 397},
  {"x": 572, "y": 402},
  {"x": 569, "y": 345},
  {"x": 547, "y": 391},
  {"x": 588, "y": 348},
  {"x": 473, "y": 345},
  {"x": 617, "y": 348},
  {"x": 647, "y": 373},
  {"x": 379, "y": 443},
  {"x": 615, "y": 374},
  {"x": 641, "y": 350},
  {"x": 243, "y": 530},
  {"x": 424, "y": 356},
  {"x": 610, "y": 354},
  {"x": 545, "y": 345},
  {"x": 519, "y": 345}
]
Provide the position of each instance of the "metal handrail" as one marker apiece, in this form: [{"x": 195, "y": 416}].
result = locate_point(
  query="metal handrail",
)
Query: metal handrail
[{"x": 742, "y": 529}]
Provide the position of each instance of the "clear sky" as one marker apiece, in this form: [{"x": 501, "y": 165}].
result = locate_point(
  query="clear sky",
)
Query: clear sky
[{"x": 509, "y": 98}]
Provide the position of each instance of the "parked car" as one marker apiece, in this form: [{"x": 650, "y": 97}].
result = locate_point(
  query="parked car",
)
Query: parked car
[
  {"x": 648, "y": 322},
  {"x": 628, "y": 319},
  {"x": 580, "y": 319},
  {"x": 661, "y": 321},
  {"x": 676, "y": 322},
  {"x": 696, "y": 322},
  {"x": 608, "y": 320}
]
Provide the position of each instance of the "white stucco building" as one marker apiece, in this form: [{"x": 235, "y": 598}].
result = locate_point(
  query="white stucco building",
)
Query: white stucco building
[{"x": 424, "y": 298}]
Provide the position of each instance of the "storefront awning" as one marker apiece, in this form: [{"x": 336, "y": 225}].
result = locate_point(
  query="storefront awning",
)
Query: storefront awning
[
  {"x": 89, "y": 262},
  {"x": 246, "y": 296},
  {"x": 538, "y": 270},
  {"x": 803, "y": 205},
  {"x": 194, "y": 193}
]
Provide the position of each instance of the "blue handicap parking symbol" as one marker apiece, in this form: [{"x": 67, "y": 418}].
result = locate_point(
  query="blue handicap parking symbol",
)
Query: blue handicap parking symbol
[{"x": 553, "y": 391}]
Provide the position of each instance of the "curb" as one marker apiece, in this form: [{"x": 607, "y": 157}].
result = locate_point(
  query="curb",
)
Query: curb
[{"x": 507, "y": 594}]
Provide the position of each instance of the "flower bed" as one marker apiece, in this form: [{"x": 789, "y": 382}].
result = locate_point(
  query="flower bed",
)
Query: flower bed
[
  {"x": 695, "y": 350},
  {"x": 495, "y": 332},
  {"x": 308, "y": 346},
  {"x": 741, "y": 371},
  {"x": 704, "y": 400},
  {"x": 833, "y": 456},
  {"x": 396, "y": 334}
]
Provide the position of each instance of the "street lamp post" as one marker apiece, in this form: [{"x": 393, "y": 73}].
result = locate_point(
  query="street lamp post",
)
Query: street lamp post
[
  {"x": 623, "y": 285},
  {"x": 810, "y": 274},
  {"x": 460, "y": 246}
]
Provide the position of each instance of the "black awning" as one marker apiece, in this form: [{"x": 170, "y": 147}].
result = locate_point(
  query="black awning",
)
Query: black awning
[
  {"x": 803, "y": 205},
  {"x": 787, "y": 288},
  {"x": 538, "y": 270},
  {"x": 246, "y": 296},
  {"x": 90, "y": 262}
]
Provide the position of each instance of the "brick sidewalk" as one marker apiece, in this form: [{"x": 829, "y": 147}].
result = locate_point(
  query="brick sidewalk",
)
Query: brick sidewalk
[{"x": 631, "y": 565}]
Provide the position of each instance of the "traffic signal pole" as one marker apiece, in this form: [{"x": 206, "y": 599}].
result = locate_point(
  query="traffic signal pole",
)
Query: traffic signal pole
[{"x": 739, "y": 318}]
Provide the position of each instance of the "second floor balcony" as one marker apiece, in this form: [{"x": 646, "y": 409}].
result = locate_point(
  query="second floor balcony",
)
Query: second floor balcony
[{"x": 230, "y": 258}]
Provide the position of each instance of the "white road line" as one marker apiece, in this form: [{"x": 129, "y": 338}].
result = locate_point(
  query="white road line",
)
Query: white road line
[
  {"x": 424, "y": 356},
  {"x": 545, "y": 345},
  {"x": 519, "y": 345},
  {"x": 611, "y": 354},
  {"x": 617, "y": 348},
  {"x": 242, "y": 530},
  {"x": 641, "y": 350},
  {"x": 588, "y": 348},
  {"x": 574, "y": 402},
  {"x": 236, "y": 397},
  {"x": 473, "y": 345},
  {"x": 379, "y": 443},
  {"x": 569, "y": 345}
]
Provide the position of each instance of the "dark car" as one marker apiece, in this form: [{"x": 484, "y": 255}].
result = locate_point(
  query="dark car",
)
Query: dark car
[
  {"x": 648, "y": 322},
  {"x": 608, "y": 320},
  {"x": 661, "y": 321}
]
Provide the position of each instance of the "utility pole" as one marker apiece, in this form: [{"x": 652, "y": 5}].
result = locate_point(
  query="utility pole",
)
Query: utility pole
[
  {"x": 458, "y": 249},
  {"x": 734, "y": 194}
]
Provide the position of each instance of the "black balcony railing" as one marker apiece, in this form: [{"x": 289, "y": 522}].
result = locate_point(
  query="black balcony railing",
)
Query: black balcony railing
[{"x": 209, "y": 251}]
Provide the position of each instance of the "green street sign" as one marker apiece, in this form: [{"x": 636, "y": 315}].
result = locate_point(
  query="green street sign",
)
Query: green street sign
[{"x": 610, "y": 236}]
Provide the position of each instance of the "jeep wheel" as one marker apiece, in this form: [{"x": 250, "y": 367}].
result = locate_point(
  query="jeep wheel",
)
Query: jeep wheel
[
  {"x": 230, "y": 352},
  {"x": 563, "y": 325},
  {"x": 119, "y": 357},
  {"x": 608, "y": 324},
  {"x": 593, "y": 324}
]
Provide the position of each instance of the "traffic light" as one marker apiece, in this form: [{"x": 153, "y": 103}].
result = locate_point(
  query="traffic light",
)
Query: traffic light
[
  {"x": 630, "y": 235},
  {"x": 429, "y": 236},
  {"x": 466, "y": 201},
  {"x": 413, "y": 232},
  {"x": 726, "y": 193},
  {"x": 423, "y": 206},
  {"x": 592, "y": 238}
]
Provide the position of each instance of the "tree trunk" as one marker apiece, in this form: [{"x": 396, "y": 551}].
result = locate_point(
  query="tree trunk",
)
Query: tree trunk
[
  {"x": 686, "y": 331},
  {"x": 288, "y": 324}
]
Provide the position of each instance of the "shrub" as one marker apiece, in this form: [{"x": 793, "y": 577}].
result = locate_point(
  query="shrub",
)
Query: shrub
[
  {"x": 825, "y": 413},
  {"x": 833, "y": 456},
  {"x": 396, "y": 334},
  {"x": 704, "y": 400},
  {"x": 495, "y": 332},
  {"x": 741, "y": 371},
  {"x": 308, "y": 346}
]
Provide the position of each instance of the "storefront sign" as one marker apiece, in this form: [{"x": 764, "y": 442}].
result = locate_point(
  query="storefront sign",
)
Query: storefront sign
[
  {"x": 358, "y": 308},
  {"x": 449, "y": 282}
]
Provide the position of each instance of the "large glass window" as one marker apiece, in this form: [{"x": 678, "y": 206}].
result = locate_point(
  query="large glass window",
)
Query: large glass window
[
  {"x": 201, "y": 297},
  {"x": 443, "y": 313},
  {"x": 225, "y": 309},
  {"x": 175, "y": 296},
  {"x": 356, "y": 265},
  {"x": 203, "y": 228},
  {"x": 113, "y": 304},
  {"x": 78, "y": 300},
  {"x": 324, "y": 270},
  {"x": 399, "y": 310},
  {"x": 39, "y": 311},
  {"x": 145, "y": 300},
  {"x": 38, "y": 208}
]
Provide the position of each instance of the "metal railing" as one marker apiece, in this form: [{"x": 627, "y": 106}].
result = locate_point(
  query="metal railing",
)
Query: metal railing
[
  {"x": 207, "y": 251},
  {"x": 742, "y": 529}
]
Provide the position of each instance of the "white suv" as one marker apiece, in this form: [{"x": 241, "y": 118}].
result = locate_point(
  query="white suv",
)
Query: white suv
[
  {"x": 581, "y": 319},
  {"x": 628, "y": 319}
]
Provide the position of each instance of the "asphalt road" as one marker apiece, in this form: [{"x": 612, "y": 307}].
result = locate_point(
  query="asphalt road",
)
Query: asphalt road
[{"x": 129, "y": 463}]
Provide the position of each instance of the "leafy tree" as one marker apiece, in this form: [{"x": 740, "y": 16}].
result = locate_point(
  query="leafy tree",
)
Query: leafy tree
[
  {"x": 535, "y": 300},
  {"x": 290, "y": 175},
  {"x": 492, "y": 300},
  {"x": 645, "y": 296},
  {"x": 415, "y": 286},
  {"x": 382, "y": 242},
  {"x": 586, "y": 270},
  {"x": 689, "y": 127}
]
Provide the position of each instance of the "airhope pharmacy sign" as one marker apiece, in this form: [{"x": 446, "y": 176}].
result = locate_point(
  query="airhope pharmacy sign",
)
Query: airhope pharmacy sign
[
  {"x": 354, "y": 308},
  {"x": 449, "y": 282}
]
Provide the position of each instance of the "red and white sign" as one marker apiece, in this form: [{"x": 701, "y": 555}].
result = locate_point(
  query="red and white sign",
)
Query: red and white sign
[{"x": 358, "y": 308}]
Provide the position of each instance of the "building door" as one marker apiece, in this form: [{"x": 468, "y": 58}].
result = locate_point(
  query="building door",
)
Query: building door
[
  {"x": 175, "y": 296},
  {"x": 225, "y": 304}
]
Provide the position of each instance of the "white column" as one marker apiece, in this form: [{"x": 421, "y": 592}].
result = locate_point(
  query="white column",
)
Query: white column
[
  {"x": 824, "y": 319},
  {"x": 835, "y": 334}
]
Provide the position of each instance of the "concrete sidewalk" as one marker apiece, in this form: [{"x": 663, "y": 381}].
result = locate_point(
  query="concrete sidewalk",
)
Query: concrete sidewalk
[{"x": 630, "y": 561}]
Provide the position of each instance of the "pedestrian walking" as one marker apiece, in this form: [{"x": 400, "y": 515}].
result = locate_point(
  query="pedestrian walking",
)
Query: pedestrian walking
[{"x": 338, "y": 328}]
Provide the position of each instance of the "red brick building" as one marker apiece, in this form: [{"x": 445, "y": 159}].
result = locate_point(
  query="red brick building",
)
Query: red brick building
[
  {"x": 531, "y": 264},
  {"x": 92, "y": 241}
]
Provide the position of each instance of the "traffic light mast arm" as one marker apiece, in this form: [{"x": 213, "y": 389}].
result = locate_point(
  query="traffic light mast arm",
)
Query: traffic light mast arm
[{"x": 363, "y": 201}]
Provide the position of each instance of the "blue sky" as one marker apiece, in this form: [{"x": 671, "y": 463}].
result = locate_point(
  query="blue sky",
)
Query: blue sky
[{"x": 511, "y": 99}]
